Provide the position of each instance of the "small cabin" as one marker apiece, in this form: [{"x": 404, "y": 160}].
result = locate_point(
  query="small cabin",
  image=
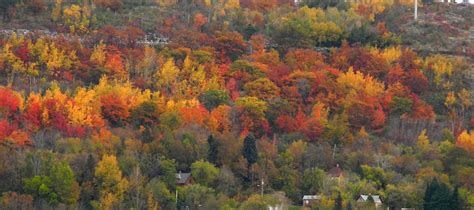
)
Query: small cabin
[
  {"x": 336, "y": 172},
  {"x": 183, "y": 179},
  {"x": 310, "y": 200},
  {"x": 369, "y": 201}
]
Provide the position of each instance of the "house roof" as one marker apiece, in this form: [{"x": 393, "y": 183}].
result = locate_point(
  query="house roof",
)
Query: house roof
[
  {"x": 365, "y": 198},
  {"x": 376, "y": 199},
  {"x": 311, "y": 197},
  {"x": 336, "y": 171},
  {"x": 182, "y": 178}
]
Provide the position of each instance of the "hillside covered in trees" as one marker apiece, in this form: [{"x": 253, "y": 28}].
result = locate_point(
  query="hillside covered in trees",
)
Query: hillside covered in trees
[{"x": 236, "y": 104}]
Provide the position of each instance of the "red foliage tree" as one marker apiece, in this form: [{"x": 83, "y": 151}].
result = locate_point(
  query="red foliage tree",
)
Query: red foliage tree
[
  {"x": 230, "y": 45},
  {"x": 420, "y": 109},
  {"x": 9, "y": 102},
  {"x": 286, "y": 123},
  {"x": 416, "y": 81},
  {"x": 394, "y": 75},
  {"x": 114, "y": 63},
  {"x": 56, "y": 115},
  {"x": 312, "y": 128},
  {"x": 32, "y": 115},
  {"x": 23, "y": 53},
  {"x": 199, "y": 20},
  {"x": 114, "y": 109},
  {"x": 366, "y": 112},
  {"x": 6, "y": 128},
  {"x": 304, "y": 59}
]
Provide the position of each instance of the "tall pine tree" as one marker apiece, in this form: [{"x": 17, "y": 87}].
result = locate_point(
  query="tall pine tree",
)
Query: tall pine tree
[
  {"x": 250, "y": 149},
  {"x": 213, "y": 150},
  {"x": 349, "y": 206},
  {"x": 338, "y": 202},
  {"x": 437, "y": 196},
  {"x": 455, "y": 202}
]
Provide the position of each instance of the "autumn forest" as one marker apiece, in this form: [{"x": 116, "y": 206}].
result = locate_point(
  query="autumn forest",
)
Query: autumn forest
[{"x": 236, "y": 104}]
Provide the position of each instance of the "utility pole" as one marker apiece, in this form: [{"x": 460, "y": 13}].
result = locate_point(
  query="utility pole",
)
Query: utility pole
[
  {"x": 416, "y": 9},
  {"x": 261, "y": 186}
]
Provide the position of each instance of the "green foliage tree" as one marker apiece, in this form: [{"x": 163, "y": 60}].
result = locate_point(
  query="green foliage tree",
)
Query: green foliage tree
[
  {"x": 313, "y": 180},
  {"x": 63, "y": 181},
  {"x": 227, "y": 182},
  {"x": 257, "y": 202},
  {"x": 59, "y": 186},
  {"x": 41, "y": 188},
  {"x": 375, "y": 174},
  {"x": 294, "y": 33},
  {"x": 194, "y": 196},
  {"x": 204, "y": 172},
  {"x": 168, "y": 172},
  {"x": 160, "y": 192},
  {"x": 213, "y": 98}
]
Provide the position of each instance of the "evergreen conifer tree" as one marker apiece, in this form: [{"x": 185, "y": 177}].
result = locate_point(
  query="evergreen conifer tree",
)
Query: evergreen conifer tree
[
  {"x": 213, "y": 150},
  {"x": 249, "y": 150}
]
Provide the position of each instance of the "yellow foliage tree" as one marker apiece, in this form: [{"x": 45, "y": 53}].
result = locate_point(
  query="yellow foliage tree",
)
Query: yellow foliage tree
[
  {"x": 441, "y": 66},
  {"x": 466, "y": 140},
  {"x": 167, "y": 75},
  {"x": 56, "y": 13},
  {"x": 83, "y": 109},
  {"x": 422, "y": 141},
  {"x": 148, "y": 64},
  {"x": 99, "y": 56},
  {"x": 110, "y": 183},
  {"x": 357, "y": 82},
  {"x": 130, "y": 95}
]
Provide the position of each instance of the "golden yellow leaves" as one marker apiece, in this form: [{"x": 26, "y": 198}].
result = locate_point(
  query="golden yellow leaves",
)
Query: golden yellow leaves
[
  {"x": 466, "y": 140},
  {"x": 390, "y": 54},
  {"x": 125, "y": 91},
  {"x": 77, "y": 18},
  {"x": 167, "y": 75},
  {"x": 110, "y": 182},
  {"x": 98, "y": 56},
  {"x": 56, "y": 13},
  {"x": 356, "y": 82},
  {"x": 441, "y": 66},
  {"x": 422, "y": 141},
  {"x": 83, "y": 109},
  {"x": 187, "y": 82}
]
